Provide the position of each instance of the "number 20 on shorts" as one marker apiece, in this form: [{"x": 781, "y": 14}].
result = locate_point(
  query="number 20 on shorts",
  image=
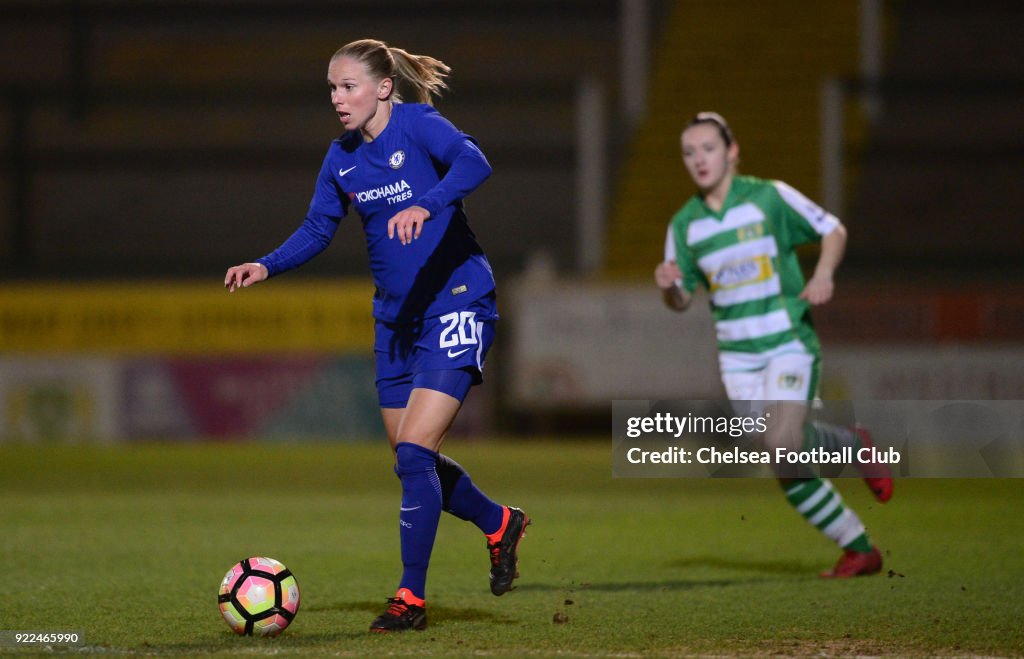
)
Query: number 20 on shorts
[{"x": 461, "y": 328}]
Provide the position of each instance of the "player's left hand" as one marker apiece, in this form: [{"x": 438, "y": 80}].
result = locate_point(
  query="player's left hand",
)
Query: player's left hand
[
  {"x": 819, "y": 290},
  {"x": 408, "y": 224}
]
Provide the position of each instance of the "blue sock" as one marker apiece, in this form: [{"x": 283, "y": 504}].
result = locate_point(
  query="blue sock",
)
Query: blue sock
[
  {"x": 420, "y": 513},
  {"x": 462, "y": 498}
]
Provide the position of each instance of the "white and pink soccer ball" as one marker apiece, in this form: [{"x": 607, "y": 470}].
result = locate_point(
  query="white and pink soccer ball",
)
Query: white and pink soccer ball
[{"x": 259, "y": 596}]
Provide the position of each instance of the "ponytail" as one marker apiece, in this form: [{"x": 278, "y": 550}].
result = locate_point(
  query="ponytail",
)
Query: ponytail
[{"x": 422, "y": 73}]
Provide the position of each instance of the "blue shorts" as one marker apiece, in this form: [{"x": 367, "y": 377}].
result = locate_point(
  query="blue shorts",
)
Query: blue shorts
[{"x": 455, "y": 341}]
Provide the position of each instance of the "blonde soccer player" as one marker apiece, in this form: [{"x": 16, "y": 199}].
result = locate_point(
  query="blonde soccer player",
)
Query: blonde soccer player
[{"x": 405, "y": 169}]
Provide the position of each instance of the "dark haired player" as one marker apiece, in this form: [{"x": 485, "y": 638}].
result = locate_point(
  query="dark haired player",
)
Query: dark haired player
[{"x": 737, "y": 237}]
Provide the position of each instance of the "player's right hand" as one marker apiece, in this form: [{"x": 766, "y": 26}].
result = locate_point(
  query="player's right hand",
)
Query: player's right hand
[
  {"x": 245, "y": 275},
  {"x": 667, "y": 275}
]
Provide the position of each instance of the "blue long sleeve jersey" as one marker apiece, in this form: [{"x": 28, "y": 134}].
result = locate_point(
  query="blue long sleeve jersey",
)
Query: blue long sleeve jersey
[{"x": 419, "y": 159}]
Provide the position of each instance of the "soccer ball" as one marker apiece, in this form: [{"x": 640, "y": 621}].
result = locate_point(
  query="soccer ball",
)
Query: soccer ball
[{"x": 259, "y": 596}]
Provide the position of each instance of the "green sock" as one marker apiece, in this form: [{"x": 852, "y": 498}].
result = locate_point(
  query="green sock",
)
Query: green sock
[
  {"x": 820, "y": 504},
  {"x": 861, "y": 544}
]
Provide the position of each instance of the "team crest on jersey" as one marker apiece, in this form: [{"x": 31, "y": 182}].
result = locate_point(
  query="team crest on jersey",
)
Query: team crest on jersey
[
  {"x": 397, "y": 159},
  {"x": 750, "y": 232},
  {"x": 791, "y": 381}
]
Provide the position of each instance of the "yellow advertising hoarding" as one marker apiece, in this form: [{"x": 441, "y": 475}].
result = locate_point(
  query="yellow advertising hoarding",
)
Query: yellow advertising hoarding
[{"x": 191, "y": 317}]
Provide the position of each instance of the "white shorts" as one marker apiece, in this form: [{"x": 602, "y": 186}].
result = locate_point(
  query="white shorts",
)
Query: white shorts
[{"x": 791, "y": 375}]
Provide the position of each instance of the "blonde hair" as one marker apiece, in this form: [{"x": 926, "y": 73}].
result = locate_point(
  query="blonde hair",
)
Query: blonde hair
[{"x": 422, "y": 73}]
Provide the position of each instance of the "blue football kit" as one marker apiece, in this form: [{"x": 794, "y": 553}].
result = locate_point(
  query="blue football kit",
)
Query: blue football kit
[
  {"x": 435, "y": 314},
  {"x": 419, "y": 159},
  {"x": 434, "y": 299}
]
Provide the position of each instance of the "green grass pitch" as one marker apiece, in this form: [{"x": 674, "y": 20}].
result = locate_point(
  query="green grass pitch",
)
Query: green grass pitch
[{"x": 128, "y": 545}]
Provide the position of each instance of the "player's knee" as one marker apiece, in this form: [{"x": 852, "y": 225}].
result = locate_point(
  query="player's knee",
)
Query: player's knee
[
  {"x": 785, "y": 427},
  {"x": 411, "y": 458}
]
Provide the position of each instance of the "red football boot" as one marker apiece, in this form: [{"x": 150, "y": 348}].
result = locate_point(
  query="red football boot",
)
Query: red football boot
[
  {"x": 876, "y": 474},
  {"x": 855, "y": 564}
]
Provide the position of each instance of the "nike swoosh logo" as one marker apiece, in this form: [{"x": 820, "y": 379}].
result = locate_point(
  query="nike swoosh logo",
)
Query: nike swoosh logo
[
  {"x": 342, "y": 172},
  {"x": 453, "y": 355},
  {"x": 405, "y": 510}
]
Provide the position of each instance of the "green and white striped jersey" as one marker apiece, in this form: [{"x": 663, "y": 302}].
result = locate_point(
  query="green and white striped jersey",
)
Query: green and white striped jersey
[{"x": 744, "y": 255}]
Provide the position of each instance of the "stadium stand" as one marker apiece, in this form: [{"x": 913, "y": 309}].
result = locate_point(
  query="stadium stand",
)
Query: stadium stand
[
  {"x": 727, "y": 56},
  {"x": 190, "y": 133},
  {"x": 939, "y": 190}
]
